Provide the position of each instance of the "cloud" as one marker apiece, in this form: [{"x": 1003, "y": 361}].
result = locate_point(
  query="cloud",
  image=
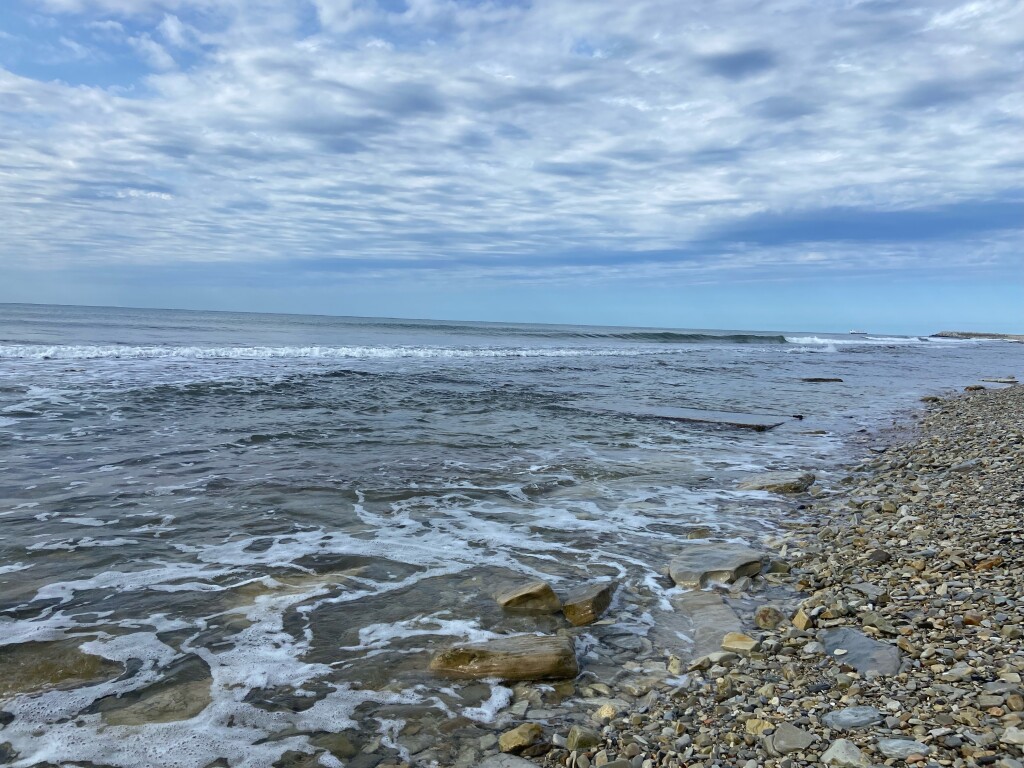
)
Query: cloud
[
  {"x": 152, "y": 52},
  {"x": 519, "y": 141}
]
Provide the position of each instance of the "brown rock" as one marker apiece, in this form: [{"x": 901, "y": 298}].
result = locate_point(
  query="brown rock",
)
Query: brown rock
[
  {"x": 779, "y": 482},
  {"x": 531, "y": 597},
  {"x": 522, "y": 657},
  {"x": 36, "y": 666},
  {"x": 988, "y": 564},
  {"x": 768, "y": 617},
  {"x": 586, "y": 604},
  {"x": 801, "y": 620},
  {"x": 519, "y": 738},
  {"x": 737, "y": 642},
  {"x": 582, "y": 738}
]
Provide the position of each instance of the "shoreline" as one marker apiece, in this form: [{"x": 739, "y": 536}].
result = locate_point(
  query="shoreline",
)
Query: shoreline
[{"x": 888, "y": 628}]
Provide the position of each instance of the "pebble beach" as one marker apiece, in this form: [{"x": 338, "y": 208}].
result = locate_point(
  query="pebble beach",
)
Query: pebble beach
[{"x": 887, "y": 628}]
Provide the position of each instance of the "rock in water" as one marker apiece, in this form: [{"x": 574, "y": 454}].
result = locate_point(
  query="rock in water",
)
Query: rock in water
[
  {"x": 768, "y": 617},
  {"x": 844, "y": 754},
  {"x": 519, "y": 738},
  {"x": 36, "y": 666},
  {"x": 522, "y": 657},
  {"x": 166, "y": 703},
  {"x": 865, "y": 655},
  {"x": 698, "y": 564},
  {"x": 531, "y": 597},
  {"x": 852, "y": 717},
  {"x": 586, "y": 604},
  {"x": 709, "y": 620},
  {"x": 779, "y": 482}
]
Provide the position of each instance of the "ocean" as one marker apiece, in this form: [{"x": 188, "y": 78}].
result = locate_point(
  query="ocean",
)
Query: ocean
[{"x": 230, "y": 537}]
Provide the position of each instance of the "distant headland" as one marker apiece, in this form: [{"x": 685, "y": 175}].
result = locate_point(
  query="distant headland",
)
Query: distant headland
[{"x": 972, "y": 335}]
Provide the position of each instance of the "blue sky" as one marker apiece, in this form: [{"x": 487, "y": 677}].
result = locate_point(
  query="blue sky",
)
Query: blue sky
[{"x": 813, "y": 165}]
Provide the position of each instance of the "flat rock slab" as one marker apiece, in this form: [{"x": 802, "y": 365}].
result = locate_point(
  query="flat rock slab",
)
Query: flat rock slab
[
  {"x": 708, "y": 620},
  {"x": 852, "y": 718},
  {"x": 166, "y": 704},
  {"x": 529, "y": 597},
  {"x": 586, "y": 604},
  {"x": 901, "y": 749},
  {"x": 863, "y": 653},
  {"x": 523, "y": 657},
  {"x": 779, "y": 482},
  {"x": 698, "y": 564},
  {"x": 758, "y": 422},
  {"x": 37, "y": 666}
]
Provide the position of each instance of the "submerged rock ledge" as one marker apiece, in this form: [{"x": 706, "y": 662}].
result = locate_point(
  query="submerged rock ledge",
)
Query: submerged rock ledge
[{"x": 902, "y": 644}]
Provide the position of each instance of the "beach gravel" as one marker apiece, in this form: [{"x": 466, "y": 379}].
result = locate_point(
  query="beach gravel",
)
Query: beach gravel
[{"x": 904, "y": 588}]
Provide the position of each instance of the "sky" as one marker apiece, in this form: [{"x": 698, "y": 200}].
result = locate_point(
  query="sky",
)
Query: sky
[{"x": 823, "y": 165}]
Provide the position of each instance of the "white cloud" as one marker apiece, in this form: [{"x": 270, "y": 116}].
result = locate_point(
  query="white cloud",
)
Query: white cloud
[
  {"x": 495, "y": 136},
  {"x": 174, "y": 31},
  {"x": 152, "y": 52}
]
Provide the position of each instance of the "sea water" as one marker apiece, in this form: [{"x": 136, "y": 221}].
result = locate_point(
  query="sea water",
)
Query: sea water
[{"x": 264, "y": 524}]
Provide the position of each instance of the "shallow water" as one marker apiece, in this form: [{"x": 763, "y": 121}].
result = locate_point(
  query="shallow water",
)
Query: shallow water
[{"x": 290, "y": 512}]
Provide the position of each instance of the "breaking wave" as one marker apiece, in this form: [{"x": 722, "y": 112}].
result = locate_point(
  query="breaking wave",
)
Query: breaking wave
[{"x": 117, "y": 352}]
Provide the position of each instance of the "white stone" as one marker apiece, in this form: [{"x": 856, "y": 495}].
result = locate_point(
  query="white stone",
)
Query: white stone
[{"x": 844, "y": 754}]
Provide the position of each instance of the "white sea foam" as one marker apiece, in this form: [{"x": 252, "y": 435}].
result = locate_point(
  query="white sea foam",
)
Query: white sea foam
[
  {"x": 116, "y": 352},
  {"x": 377, "y": 636},
  {"x": 858, "y": 341},
  {"x": 488, "y": 711},
  {"x": 12, "y": 567},
  {"x": 128, "y": 581},
  {"x": 52, "y": 627},
  {"x": 86, "y": 542},
  {"x": 89, "y": 521}
]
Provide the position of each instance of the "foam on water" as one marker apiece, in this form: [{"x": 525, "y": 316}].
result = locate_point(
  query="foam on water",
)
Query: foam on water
[
  {"x": 70, "y": 545},
  {"x": 114, "y": 352},
  {"x": 859, "y": 341},
  {"x": 130, "y": 581},
  {"x": 378, "y": 636},
  {"x": 487, "y": 712}
]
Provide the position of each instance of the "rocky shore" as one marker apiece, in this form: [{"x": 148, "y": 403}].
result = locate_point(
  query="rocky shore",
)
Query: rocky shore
[
  {"x": 977, "y": 335},
  {"x": 884, "y": 628},
  {"x": 884, "y": 625}
]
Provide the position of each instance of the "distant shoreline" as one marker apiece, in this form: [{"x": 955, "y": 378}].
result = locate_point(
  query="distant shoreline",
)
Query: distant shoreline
[{"x": 973, "y": 335}]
